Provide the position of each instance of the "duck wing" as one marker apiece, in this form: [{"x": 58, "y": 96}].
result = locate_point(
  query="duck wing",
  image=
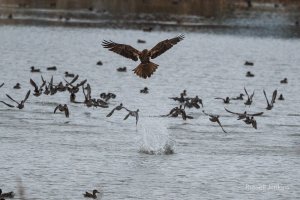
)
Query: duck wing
[
  {"x": 266, "y": 97},
  {"x": 36, "y": 89},
  {"x": 233, "y": 112},
  {"x": 126, "y": 116},
  {"x": 218, "y": 121},
  {"x": 7, "y": 104},
  {"x": 27, "y": 95},
  {"x": 246, "y": 92},
  {"x": 256, "y": 114},
  {"x": 1, "y": 85},
  {"x": 274, "y": 97},
  {"x": 254, "y": 124},
  {"x": 111, "y": 112},
  {"x": 12, "y": 99},
  {"x": 136, "y": 118},
  {"x": 56, "y": 108}
]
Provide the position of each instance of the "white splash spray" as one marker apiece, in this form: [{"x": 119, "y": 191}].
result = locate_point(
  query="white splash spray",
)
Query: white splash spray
[{"x": 155, "y": 138}]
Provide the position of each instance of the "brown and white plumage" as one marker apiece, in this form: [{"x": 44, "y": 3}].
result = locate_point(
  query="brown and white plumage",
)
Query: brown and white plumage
[{"x": 146, "y": 68}]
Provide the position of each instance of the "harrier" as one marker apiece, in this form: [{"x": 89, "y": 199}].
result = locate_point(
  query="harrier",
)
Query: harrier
[{"x": 146, "y": 68}]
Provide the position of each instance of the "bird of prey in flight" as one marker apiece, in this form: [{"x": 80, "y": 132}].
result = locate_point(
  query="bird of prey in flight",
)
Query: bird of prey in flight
[{"x": 146, "y": 68}]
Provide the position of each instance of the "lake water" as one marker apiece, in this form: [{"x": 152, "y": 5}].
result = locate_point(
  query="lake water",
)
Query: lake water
[{"x": 60, "y": 158}]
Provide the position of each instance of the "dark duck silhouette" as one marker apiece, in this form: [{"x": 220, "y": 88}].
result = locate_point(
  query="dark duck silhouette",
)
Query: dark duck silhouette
[
  {"x": 191, "y": 103},
  {"x": 146, "y": 68},
  {"x": 91, "y": 195},
  {"x": 141, "y": 41},
  {"x": 33, "y": 69},
  {"x": 67, "y": 74},
  {"x": 270, "y": 104},
  {"x": 1, "y": 85},
  {"x": 99, "y": 63},
  {"x": 53, "y": 68},
  {"x": 251, "y": 121},
  {"x": 284, "y": 81},
  {"x": 122, "y": 69},
  {"x": 244, "y": 114},
  {"x": 107, "y": 96},
  {"x": 7, "y": 195},
  {"x": 17, "y": 86},
  {"x": 281, "y": 98},
  {"x": 248, "y": 63},
  {"x": 214, "y": 118},
  {"x": 119, "y": 107},
  {"x": 38, "y": 90},
  {"x": 145, "y": 90},
  {"x": 238, "y": 97},
  {"x": 196, "y": 100},
  {"x": 226, "y": 100},
  {"x": 181, "y": 99},
  {"x": 63, "y": 108},
  {"x": 249, "y": 74},
  {"x": 249, "y": 98},
  {"x": 133, "y": 114},
  {"x": 175, "y": 112},
  {"x": 21, "y": 104}
]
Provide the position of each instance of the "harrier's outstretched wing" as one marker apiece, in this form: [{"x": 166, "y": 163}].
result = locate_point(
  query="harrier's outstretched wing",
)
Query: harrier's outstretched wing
[
  {"x": 165, "y": 45},
  {"x": 122, "y": 49}
]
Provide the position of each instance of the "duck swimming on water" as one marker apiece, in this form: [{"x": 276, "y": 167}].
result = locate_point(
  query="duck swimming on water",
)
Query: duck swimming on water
[
  {"x": 91, "y": 195},
  {"x": 34, "y": 69},
  {"x": 7, "y": 195}
]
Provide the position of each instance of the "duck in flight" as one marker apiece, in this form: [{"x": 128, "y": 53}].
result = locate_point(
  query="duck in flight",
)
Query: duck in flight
[
  {"x": 1, "y": 85},
  {"x": 146, "y": 68},
  {"x": 214, "y": 118},
  {"x": 133, "y": 114},
  {"x": 250, "y": 98},
  {"x": 270, "y": 105},
  {"x": 226, "y": 100},
  {"x": 244, "y": 115},
  {"x": 251, "y": 121},
  {"x": 21, "y": 104},
  {"x": 119, "y": 107},
  {"x": 63, "y": 108},
  {"x": 175, "y": 112},
  {"x": 38, "y": 90}
]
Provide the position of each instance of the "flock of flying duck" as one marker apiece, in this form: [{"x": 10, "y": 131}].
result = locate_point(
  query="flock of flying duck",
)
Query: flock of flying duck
[{"x": 144, "y": 70}]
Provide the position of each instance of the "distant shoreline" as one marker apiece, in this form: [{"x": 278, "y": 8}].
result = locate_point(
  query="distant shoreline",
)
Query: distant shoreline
[{"x": 245, "y": 22}]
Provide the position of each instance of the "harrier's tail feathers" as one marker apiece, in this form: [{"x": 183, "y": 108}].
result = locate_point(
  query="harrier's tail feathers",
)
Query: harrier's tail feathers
[{"x": 145, "y": 70}]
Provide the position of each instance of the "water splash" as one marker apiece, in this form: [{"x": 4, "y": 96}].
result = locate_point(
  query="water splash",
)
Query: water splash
[{"x": 155, "y": 138}]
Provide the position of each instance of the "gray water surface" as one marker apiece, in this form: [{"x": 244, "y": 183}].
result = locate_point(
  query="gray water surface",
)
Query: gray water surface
[{"x": 60, "y": 158}]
